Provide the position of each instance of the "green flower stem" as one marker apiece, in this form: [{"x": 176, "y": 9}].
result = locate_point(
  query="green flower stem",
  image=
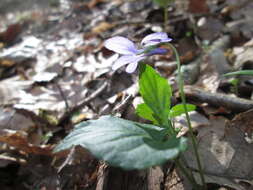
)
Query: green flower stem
[{"x": 182, "y": 94}]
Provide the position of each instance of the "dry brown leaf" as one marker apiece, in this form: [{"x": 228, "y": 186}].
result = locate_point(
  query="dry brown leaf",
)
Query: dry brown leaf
[
  {"x": 11, "y": 33},
  {"x": 214, "y": 66},
  {"x": 197, "y": 120},
  {"x": 93, "y": 3},
  {"x": 245, "y": 122},
  {"x": 102, "y": 27},
  {"x": 198, "y": 6},
  {"x": 223, "y": 148},
  {"x": 174, "y": 181},
  {"x": 7, "y": 63},
  {"x": 19, "y": 140},
  {"x": 7, "y": 159},
  {"x": 11, "y": 119}
]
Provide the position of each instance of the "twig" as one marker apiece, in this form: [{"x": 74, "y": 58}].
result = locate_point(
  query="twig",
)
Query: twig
[
  {"x": 102, "y": 178},
  {"x": 217, "y": 99},
  {"x": 121, "y": 106},
  {"x": 63, "y": 96},
  {"x": 155, "y": 178},
  {"x": 68, "y": 159},
  {"x": 67, "y": 115}
]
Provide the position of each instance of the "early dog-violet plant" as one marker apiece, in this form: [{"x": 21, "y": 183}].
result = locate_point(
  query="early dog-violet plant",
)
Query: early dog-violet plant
[{"x": 133, "y": 145}]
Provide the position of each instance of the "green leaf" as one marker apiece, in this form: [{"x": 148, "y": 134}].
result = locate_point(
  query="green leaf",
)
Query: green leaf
[
  {"x": 163, "y": 3},
  {"x": 145, "y": 112},
  {"x": 243, "y": 72},
  {"x": 123, "y": 143},
  {"x": 155, "y": 91},
  {"x": 179, "y": 109}
]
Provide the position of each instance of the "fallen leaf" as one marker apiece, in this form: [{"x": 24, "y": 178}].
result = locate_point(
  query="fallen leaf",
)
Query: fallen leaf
[
  {"x": 223, "y": 149},
  {"x": 7, "y": 63},
  {"x": 11, "y": 89},
  {"x": 10, "y": 119},
  {"x": 214, "y": 66},
  {"x": 93, "y": 3},
  {"x": 197, "y": 120},
  {"x": 19, "y": 140},
  {"x": 244, "y": 120},
  {"x": 7, "y": 159},
  {"x": 198, "y": 6},
  {"x": 102, "y": 27},
  {"x": 11, "y": 33}
]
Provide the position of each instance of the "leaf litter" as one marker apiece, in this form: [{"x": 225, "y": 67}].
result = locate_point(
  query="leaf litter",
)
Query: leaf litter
[{"x": 55, "y": 72}]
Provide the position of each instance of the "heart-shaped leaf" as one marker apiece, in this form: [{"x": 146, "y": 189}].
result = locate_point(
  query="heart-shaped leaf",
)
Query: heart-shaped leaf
[{"x": 124, "y": 143}]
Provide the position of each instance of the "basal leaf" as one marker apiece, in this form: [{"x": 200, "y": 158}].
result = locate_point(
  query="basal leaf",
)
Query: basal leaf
[
  {"x": 145, "y": 112},
  {"x": 179, "y": 109},
  {"x": 123, "y": 143},
  {"x": 155, "y": 91}
]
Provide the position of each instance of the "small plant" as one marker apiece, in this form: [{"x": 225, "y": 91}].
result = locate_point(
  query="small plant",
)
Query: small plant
[
  {"x": 164, "y": 4},
  {"x": 234, "y": 83},
  {"x": 132, "y": 145}
]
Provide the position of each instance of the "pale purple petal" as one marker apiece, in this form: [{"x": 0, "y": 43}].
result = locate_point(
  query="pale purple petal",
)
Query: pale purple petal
[
  {"x": 126, "y": 59},
  {"x": 131, "y": 67},
  {"x": 121, "y": 45},
  {"x": 155, "y": 38}
]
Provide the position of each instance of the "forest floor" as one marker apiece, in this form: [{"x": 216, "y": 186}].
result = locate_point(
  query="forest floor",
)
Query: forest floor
[{"x": 55, "y": 73}]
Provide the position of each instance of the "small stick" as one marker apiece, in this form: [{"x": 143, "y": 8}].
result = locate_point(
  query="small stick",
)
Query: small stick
[
  {"x": 63, "y": 96},
  {"x": 66, "y": 116},
  {"x": 102, "y": 178},
  {"x": 218, "y": 99},
  {"x": 68, "y": 159}
]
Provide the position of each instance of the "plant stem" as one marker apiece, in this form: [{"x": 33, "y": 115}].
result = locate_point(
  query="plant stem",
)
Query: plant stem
[
  {"x": 182, "y": 94},
  {"x": 165, "y": 18}
]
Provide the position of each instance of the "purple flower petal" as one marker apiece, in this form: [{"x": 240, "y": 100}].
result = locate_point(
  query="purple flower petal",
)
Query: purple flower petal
[
  {"x": 121, "y": 45},
  {"x": 131, "y": 67},
  {"x": 157, "y": 51},
  {"x": 155, "y": 38},
  {"x": 126, "y": 59}
]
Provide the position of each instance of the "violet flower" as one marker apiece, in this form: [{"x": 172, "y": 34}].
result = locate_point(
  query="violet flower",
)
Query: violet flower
[
  {"x": 155, "y": 39},
  {"x": 132, "y": 55}
]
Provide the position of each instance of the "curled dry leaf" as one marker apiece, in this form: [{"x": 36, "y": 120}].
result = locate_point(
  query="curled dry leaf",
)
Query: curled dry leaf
[{"x": 19, "y": 140}]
